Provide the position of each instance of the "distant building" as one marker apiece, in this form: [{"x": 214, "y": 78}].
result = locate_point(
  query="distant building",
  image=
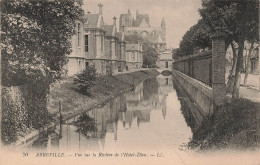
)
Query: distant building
[
  {"x": 254, "y": 58},
  {"x": 165, "y": 60},
  {"x": 134, "y": 56},
  {"x": 141, "y": 26},
  {"x": 98, "y": 45}
]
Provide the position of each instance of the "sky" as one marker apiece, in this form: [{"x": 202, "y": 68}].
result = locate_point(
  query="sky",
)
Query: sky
[{"x": 179, "y": 15}]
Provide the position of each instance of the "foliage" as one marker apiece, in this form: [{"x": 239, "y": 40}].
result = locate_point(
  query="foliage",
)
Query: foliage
[
  {"x": 10, "y": 122},
  {"x": 150, "y": 55},
  {"x": 86, "y": 79},
  {"x": 196, "y": 39},
  {"x": 230, "y": 126},
  {"x": 239, "y": 20},
  {"x": 36, "y": 37},
  {"x": 35, "y": 40},
  {"x": 85, "y": 125}
]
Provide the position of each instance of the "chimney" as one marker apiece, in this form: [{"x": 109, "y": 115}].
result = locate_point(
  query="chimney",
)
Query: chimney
[
  {"x": 114, "y": 20},
  {"x": 100, "y": 5}
]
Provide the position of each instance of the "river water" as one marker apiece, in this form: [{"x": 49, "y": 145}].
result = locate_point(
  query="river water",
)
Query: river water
[{"x": 149, "y": 118}]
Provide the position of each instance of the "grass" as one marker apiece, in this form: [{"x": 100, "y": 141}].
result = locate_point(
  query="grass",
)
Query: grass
[
  {"x": 231, "y": 127},
  {"x": 106, "y": 88}
]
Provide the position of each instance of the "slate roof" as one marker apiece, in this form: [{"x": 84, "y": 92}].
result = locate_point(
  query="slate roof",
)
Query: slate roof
[
  {"x": 139, "y": 19},
  {"x": 120, "y": 36},
  {"x": 109, "y": 30},
  {"x": 91, "y": 20}
]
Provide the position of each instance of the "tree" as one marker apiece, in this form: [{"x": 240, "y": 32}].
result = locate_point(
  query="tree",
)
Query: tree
[
  {"x": 237, "y": 18},
  {"x": 175, "y": 53},
  {"x": 195, "y": 40},
  {"x": 150, "y": 55},
  {"x": 36, "y": 38},
  {"x": 86, "y": 79},
  {"x": 35, "y": 42}
]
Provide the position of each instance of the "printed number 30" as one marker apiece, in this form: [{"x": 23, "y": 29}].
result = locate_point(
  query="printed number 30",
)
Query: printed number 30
[{"x": 25, "y": 154}]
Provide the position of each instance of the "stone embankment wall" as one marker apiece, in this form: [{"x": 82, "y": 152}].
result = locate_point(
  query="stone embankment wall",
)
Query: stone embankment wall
[
  {"x": 203, "y": 75},
  {"x": 199, "y": 92}
]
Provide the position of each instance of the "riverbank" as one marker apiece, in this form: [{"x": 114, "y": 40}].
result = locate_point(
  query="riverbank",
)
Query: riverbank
[
  {"x": 107, "y": 87},
  {"x": 74, "y": 103},
  {"x": 235, "y": 126}
]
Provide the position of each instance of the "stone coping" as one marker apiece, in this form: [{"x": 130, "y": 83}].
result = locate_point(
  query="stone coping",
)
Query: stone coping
[
  {"x": 200, "y": 85},
  {"x": 195, "y": 56}
]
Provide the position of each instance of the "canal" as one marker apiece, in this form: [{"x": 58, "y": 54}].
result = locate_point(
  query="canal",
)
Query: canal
[{"x": 152, "y": 117}]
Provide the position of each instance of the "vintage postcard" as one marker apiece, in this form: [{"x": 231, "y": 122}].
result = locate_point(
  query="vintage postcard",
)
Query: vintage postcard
[{"x": 156, "y": 82}]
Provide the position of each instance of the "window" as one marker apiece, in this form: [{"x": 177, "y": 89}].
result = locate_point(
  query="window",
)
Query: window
[
  {"x": 78, "y": 34},
  {"x": 86, "y": 64},
  {"x": 133, "y": 57},
  {"x": 86, "y": 43},
  {"x": 102, "y": 42}
]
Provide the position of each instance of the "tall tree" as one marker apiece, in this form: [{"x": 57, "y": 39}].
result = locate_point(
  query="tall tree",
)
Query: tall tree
[
  {"x": 36, "y": 38},
  {"x": 35, "y": 42},
  {"x": 150, "y": 55},
  {"x": 236, "y": 18},
  {"x": 196, "y": 39}
]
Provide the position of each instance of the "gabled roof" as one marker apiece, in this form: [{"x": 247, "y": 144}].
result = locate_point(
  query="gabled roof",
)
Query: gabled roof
[
  {"x": 140, "y": 18},
  {"x": 109, "y": 30},
  {"x": 93, "y": 20},
  {"x": 120, "y": 36}
]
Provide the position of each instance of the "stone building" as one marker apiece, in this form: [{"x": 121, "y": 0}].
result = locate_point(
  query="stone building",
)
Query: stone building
[
  {"x": 88, "y": 45},
  {"x": 254, "y": 58},
  {"x": 115, "y": 48},
  {"x": 134, "y": 56},
  {"x": 141, "y": 26},
  {"x": 98, "y": 45},
  {"x": 165, "y": 60}
]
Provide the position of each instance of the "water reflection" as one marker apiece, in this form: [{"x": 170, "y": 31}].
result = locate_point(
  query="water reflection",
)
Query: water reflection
[{"x": 147, "y": 118}]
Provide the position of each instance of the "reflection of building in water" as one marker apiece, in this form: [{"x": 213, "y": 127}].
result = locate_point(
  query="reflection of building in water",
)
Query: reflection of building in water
[
  {"x": 131, "y": 109},
  {"x": 136, "y": 95},
  {"x": 152, "y": 95},
  {"x": 112, "y": 123},
  {"x": 165, "y": 87},
  {"x": 142, "y": 116}
]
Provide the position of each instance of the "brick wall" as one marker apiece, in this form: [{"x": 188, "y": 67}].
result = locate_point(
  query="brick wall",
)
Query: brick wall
[{"x": 198, "y": 66}]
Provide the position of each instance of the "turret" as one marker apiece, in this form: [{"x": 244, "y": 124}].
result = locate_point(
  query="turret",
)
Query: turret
[
  {"x": 114, "y": 19},
  {"x": 100, "y": 5},
  {"x": 163, "y": 24}
]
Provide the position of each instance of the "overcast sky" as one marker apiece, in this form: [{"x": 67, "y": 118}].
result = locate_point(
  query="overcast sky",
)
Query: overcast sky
[{"x": 179, "y": 15}]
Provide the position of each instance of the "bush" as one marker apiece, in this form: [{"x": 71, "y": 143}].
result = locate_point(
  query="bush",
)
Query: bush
[
  {"x": 224, "y": 128},
  {"x": 86, "y": 79}
]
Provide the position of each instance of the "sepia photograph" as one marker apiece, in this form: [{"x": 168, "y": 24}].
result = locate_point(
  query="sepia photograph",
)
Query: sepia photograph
[{"x": 129, "y": 82}]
